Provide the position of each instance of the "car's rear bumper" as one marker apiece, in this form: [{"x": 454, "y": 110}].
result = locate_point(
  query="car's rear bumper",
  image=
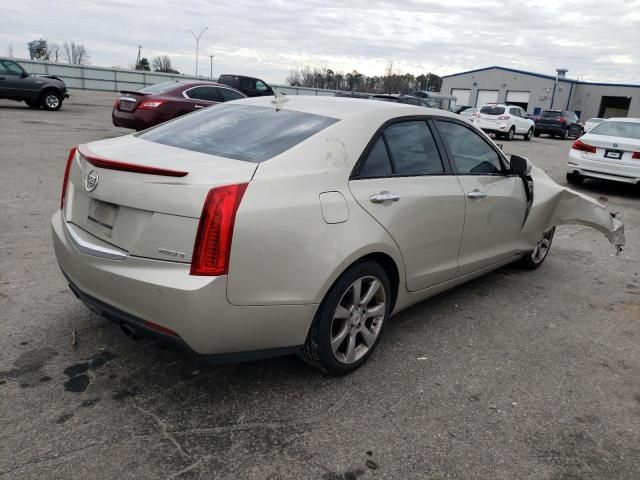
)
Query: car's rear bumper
[
  {"x": 135, "y": 290},
  {"x": 554, "y": 129},
  {"x": 137, "y": 120},
  {"x": 606, "y": 170}
]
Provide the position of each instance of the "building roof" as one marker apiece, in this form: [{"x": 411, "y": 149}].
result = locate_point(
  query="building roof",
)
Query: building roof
[{"x": 541, "y": 75}]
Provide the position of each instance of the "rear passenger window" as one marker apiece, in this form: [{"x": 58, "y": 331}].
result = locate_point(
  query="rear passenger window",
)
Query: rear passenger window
[
  {"x": 471, "y": 153},
  {"x": 377, "y": 163},
  {"x": 514, "y": 111},
  {"x": 210, "y": 94},
  {"x": 412, "y": 149},
  {"x": 228, "y": 95}
]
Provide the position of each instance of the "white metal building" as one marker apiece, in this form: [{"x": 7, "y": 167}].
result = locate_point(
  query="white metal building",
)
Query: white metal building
[{"x": 535, "y": 92}]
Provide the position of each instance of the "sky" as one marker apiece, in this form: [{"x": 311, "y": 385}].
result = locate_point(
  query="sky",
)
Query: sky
[{"x": 595, "y": 40}]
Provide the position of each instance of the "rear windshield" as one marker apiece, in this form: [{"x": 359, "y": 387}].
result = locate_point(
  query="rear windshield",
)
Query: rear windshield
[
  {"x": 552, "y": 114},
  {"x": 617, "y": 129},
  {"x": 242, "y": 132},
  {"x": 491, "y": 110},
  {"x": 159, "y": 87}
]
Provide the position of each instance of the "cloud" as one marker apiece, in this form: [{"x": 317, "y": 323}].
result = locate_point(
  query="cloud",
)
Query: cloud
[{"x": 270, "y": 37}]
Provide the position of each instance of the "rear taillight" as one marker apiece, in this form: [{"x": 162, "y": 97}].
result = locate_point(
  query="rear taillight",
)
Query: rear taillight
[
  {"x": 65, "y": 181},
  {"x": 636, "y": 155},
  {"x": 213, "y": 241},
  {"x": 503, "y": 117},
  {"x": 583, "y": 147},
  {"x": 150, "y": 104},
  {"x": 561, "y": 120},
  {"x": 477, "y": 115},
  {"x": 115, "y": 102}
]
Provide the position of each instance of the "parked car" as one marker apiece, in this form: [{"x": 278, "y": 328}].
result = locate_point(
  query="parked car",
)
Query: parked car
[
  {"x": 46, "y": 91},
  {"x": 461, "y": 108},
  {"x": 505, "y": 121},
  {"x": 267, "y": 226},
  {"x": 406, "y": 99},
  {"x": 469, "y": 114},
  {"x": 159, "y": 103},
  {"x": 250, "y": 86},
  {"x": 610, "y": 151},
  {"x": 558, "y": 123},
  {"x": 592, "y": 122}
]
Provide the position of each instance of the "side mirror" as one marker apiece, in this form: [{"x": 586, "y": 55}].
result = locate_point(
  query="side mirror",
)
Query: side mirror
[
  {"x": 24, "y": 74},
  {"x": 520, "y": 166}
]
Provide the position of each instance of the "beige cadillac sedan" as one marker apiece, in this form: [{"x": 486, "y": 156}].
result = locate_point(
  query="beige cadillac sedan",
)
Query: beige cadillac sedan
[{"x": 279, "y": 225}]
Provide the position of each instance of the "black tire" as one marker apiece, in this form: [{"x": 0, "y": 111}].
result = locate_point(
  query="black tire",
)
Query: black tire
[
  {"x": 536, "y": 134},
  {"x": 317, "y": 350},
  {"x": 528, "y": 135},
  {"x": 51, "y": 100},
  {"x": 32, "y": 103},
  {"x": 510, "y": 134},
  {"x": 533, "y": 259},
  {"x": 575, "y": 179}
]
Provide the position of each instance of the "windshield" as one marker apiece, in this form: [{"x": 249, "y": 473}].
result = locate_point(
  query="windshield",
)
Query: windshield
[
  {"x": 159, "y": 87},
  {"x": 242, "y": 132},
  {"x": 617, "y": 129},
  {"x": 492, "y": 110}
]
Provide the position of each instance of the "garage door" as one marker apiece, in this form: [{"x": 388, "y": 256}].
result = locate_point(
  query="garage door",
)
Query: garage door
[
  {"x": 486, "y": 96},
  {"x": 462, "y": 96},
  {"x": 518, "y": 97}
]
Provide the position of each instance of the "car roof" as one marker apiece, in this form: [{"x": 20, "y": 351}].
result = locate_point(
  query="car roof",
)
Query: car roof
[{"x": 342, "y": 107}]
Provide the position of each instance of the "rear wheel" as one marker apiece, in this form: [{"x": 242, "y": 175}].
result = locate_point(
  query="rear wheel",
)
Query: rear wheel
[
  {"x": 51, "y": 100},
  {"x": 32, "y": 103},
  {"x": 536, "y": 134},
  {"x": 349, "y": 321},
  {"x": 534, "y": 258},
  {"x": 565, "y": 134},
  {"x": 575, "y": 178},
  {"x": 528, "y": 135},
  {"x": 511, "y": 133}
]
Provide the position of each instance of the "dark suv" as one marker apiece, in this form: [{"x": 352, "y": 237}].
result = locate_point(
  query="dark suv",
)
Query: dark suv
[
  {"x": 36, "y": 91},
  {"x": 251, "y": 87},
  {"x": 561, "y": 123}
]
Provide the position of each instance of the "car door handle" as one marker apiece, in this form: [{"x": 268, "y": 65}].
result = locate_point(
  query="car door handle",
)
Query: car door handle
[
  {"x": 476, "y": 195},
  {"x": 384, "y": 197}
]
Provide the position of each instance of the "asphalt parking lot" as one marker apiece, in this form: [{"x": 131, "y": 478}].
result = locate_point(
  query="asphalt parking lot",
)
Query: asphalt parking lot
[{"x": 517, "y": 375}]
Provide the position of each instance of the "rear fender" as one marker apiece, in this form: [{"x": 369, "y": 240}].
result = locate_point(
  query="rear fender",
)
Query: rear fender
[{"x": 554, "y": 205}]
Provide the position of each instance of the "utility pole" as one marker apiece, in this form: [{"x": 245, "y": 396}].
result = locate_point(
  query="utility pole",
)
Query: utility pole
[
  {"x": 139, "y": 53},
  {"x": 197, "y": 38},
  {"x": 211, "y": 57}
]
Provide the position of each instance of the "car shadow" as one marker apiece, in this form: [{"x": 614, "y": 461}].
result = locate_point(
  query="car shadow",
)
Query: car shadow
[{"x": 598, "y": 188}]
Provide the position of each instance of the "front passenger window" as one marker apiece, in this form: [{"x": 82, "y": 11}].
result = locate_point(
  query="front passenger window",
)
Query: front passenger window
[
  {"x": 471, "y": 153},
  {"x": 12, "y": 68}
]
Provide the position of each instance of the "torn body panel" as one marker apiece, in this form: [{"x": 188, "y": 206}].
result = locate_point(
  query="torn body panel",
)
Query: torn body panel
[{"x": 554, "y": 205}]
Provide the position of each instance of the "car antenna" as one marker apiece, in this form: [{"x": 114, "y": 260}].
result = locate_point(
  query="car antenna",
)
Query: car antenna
[{"x": 279, "y": 99}]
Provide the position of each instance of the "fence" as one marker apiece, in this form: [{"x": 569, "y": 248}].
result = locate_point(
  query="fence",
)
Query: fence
[{"x": 114, "y": 79}]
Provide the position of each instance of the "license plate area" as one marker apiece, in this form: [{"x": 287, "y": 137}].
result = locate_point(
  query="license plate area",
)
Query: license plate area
[
  {"x": 127, "y": 105},
  {"x": 102, "y": 216},
  {"x": 613, "y": 154}
]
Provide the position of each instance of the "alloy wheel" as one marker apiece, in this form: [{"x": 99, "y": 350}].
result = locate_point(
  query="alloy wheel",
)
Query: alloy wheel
[
  {"x": 357, "y": 320},
  {"x": 52, "y": 101}
]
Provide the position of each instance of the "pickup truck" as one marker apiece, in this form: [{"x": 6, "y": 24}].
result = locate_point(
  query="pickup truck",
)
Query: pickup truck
[{"x": 46, "y": 91}]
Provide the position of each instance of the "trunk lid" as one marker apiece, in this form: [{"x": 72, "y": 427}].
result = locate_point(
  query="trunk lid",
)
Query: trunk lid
[{"x": 154, "y": 210}]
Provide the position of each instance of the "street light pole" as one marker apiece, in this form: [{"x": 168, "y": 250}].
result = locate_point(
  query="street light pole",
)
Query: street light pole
[
  {"x": 197, "y": 38},
  {"x": 211, "y": 57}
]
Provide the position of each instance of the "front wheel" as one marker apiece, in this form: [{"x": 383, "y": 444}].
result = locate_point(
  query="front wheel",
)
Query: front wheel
[
  {"x": 575, "y": 178},
  {"x": 536, "y": 134},
  {"x": 565, "y": 134},
  {"x": 349, "y": 321},
  {"x": 51, "y": 100},
  {"x": 535, "y": 257}
]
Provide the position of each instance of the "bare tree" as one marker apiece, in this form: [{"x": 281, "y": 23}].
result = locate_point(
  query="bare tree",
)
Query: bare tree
[
  {"x": 74, "y": 53},
  {"x": 53, "y": 52},
  {"x": 162, "y": 63}
]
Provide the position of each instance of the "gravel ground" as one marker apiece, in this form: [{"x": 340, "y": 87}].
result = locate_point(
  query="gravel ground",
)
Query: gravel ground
[{"x": 527, "y": 375}]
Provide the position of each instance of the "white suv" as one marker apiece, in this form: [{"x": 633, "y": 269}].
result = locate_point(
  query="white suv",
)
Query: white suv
[{"x": 504, "y": 120}]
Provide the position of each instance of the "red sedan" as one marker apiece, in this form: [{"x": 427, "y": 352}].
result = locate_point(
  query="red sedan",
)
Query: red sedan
[{"x": 159, "y": 103}]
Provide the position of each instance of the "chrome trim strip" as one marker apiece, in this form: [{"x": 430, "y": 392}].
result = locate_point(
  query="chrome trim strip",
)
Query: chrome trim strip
[{"x": 91, "y": 249}]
